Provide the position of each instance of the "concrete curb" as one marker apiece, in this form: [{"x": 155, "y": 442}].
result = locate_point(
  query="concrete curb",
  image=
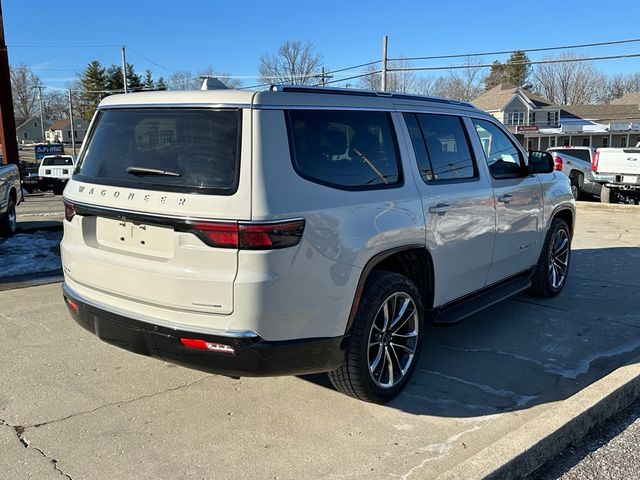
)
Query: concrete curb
[
  {"x": 539, "y": 440},
  {"x": 608, "y": 206},
  {"x": 30, "y": 280}
]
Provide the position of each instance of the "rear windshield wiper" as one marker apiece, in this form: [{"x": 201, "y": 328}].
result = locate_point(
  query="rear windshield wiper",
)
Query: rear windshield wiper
[{"x": 142, "y": 171}]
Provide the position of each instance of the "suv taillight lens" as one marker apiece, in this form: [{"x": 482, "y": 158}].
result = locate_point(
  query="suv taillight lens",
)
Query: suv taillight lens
[
  {"x": 250, "y": 236},
  {"x": 594, "y": 160},
  {"x": 69, "y": 210},
  {"x": 557, "y": 160}
]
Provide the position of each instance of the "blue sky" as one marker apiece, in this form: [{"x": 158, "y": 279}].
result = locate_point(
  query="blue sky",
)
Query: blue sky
[{"x": 231, "y": 36}]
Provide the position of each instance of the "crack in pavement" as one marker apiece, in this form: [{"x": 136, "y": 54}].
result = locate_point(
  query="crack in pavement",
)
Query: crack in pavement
[
  {"x": 119, "y": 402},
  {"x": 19, "y": 430}
]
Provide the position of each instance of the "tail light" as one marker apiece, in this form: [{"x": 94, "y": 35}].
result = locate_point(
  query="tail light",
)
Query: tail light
[
  {"x": 69, "y": 210},
  {"x": 594, "y": 160},
  {"x": 557, "y": 160},
  {"x": 250, "y": 236}
]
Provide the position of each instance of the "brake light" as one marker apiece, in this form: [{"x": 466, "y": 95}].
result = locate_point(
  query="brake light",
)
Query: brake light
[
  {"x": 557, "y": 160},
  {"x": 69, "y": 211},
  {"x": 250, "y": 236},
  {"x": 594, "y": 160}
]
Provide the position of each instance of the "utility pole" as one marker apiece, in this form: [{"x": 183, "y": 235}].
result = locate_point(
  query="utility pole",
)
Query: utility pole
[
  {"x": 124, "y": 68},
  {"x": 7, "y": 119},
  {"x": 73, "y": 133},
  {"x": 322, "y": 81},
  {"x": 383, "y": 86},
  {"x": 40, "y": 87}
]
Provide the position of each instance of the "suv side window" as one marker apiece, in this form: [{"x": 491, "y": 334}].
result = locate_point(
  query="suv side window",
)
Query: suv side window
[
  {"x": 441, "y": 147},
  {"x": 502, "y": 156},
  {"x": 351, "y": 150}
]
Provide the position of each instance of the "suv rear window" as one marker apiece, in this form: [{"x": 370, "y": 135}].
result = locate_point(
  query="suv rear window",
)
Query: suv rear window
[
  {"x": 584, "y": 155},
  {"x": 352, "y": 150},
  {"x": 184, "y": 150},
  {"x": 56, "y": 162}
]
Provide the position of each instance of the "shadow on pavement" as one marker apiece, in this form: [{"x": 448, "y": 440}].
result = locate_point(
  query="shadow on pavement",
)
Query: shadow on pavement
[{"x": 527, "y": 351}]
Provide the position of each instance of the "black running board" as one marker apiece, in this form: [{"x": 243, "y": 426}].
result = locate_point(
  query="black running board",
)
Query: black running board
[{"x": 457, "y": 310}]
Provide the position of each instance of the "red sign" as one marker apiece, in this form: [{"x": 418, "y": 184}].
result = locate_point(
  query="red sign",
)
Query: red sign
[{"x": 527, "y": 128}]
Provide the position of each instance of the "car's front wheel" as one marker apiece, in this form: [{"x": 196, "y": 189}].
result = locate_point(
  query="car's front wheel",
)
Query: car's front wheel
[
  {"x": 553, "y": 265},
  {"x": 384, "y": 342}
]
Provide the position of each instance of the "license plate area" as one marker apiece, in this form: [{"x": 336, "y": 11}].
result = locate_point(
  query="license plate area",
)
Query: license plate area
[
  {"x": 630, "y": 179},
  {"x": 135, "y": 237}
]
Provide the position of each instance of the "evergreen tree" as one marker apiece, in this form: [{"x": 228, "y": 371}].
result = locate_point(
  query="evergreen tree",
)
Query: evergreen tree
[
  {"x": 517, "y": 69},
  {"x": 161, "y": 84},
  {"x": 148, "y": 81},
  {"x": 495, "y": 77},
  {"x": 93, "y": 82},
  {"x": 134, "y": 81},
  {"x": 114, "y": 79}
]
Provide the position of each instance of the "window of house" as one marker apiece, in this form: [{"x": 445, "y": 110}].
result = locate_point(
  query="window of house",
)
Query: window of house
[
  {"x": 605, "y": 142},
  {"x": 501, "y": 154},
  {"x": 552, "y": 118},
  {"x": 532, "y": 118},
  {"x": 515, "y": 118},
  {"x": 25, "y": 135},
  {"x": 566, "y": 142},
  {"x": 585, "y": 142},
  {"x": 441, "y": 147},
  {"x": 553, "y": 141},
  {"x": 529, "y": 145},
  {"x": 353, "y": 150},
  {"x": 35, "y": 124},
  {"x": 623, "y": 142}
]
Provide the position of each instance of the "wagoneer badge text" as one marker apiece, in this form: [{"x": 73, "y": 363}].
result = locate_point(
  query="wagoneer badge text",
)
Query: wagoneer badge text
[{"x": 146, "y": 197}]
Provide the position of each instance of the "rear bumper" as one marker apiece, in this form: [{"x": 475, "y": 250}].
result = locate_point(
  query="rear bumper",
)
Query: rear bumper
[{"x": 251, "y": 357}]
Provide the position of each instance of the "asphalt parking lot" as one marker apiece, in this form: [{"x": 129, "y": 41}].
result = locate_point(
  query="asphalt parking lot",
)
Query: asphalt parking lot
[{"x": 72, "y": 407}]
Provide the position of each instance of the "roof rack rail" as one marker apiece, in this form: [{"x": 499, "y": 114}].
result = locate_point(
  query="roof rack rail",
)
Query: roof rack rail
[{"x": 365, "y": 93}]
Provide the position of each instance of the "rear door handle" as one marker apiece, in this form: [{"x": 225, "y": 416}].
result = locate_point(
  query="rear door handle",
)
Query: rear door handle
[
  {"x": 506, "y": 198},
  {"x": 440, "y": 208}
]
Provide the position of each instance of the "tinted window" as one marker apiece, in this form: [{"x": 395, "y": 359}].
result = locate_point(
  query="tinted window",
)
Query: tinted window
[
  {"x": 198, "y": 149},
  {"x": 441, "y": 147},
  {"x": 584, "y": 155},
  {"x": 347, "y": 149},
  {"x": 501, "y": 154},
  {"x": 56, "y": 161}
]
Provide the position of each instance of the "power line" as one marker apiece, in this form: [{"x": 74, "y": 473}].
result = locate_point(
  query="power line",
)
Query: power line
[
  {"x": 149, "y": 60},
  {"x": 63, "y": 46},
  {"x": 504, "y": 52},
  {"x": 532, "y": 62}
]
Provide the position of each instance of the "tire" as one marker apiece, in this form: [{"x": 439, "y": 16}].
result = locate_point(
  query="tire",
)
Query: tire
[
  {"x": 364, "y": 362},
  {"x": 552, "y": 270},
  {"x": 58, "y": 188},
  {"x": 8, "y": 222},
  {"x": 607, "y": 195},
  {"x": 575, "y": 191}
]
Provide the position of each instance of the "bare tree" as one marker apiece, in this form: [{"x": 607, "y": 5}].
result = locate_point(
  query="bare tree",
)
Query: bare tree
[
  {"x": 398, "y": 80},
  {"x": 295, "y": 63},
  {"x": 617, "y": 85},
  {"x": 56, "y": 105},
  {"x": 25, "y": 95},
  {"x": 568, "y": 82},
  {"x": 464, "y": 83}
]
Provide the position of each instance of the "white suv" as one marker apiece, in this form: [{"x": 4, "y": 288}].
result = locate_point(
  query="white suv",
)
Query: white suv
[
  {"x": 303, "y": 230},
  {"x": 54, "y": 172}
]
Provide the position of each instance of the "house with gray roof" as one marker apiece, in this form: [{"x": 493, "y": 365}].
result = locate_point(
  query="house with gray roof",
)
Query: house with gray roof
[{"x": 540, "y": 124}]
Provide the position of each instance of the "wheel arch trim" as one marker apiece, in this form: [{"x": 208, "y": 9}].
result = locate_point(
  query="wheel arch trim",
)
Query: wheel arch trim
[{"x": 376, "y": 260}]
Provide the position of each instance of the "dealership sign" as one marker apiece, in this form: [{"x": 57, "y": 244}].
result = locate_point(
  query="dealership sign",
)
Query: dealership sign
[
  {"x": 527, "y": 128},
  {"x": 43, "y": 149}
]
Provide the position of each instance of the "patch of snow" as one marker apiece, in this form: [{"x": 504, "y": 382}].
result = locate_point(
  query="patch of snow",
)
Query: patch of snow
[{"x": 27, "y": 253}]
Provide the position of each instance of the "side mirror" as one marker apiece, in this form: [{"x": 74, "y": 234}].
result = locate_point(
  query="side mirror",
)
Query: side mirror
[{"x": 540, "y": 162}]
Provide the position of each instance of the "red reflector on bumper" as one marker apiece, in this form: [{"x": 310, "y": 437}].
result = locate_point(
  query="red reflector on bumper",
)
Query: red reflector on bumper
[
  {"x": 209, "y": 346},
  {"x": 72, "y": 305}
]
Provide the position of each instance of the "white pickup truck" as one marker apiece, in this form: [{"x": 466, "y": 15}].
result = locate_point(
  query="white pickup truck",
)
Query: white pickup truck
[
  {"x": 10, "y": 196},
  {"x": 618, "y": 171}
]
